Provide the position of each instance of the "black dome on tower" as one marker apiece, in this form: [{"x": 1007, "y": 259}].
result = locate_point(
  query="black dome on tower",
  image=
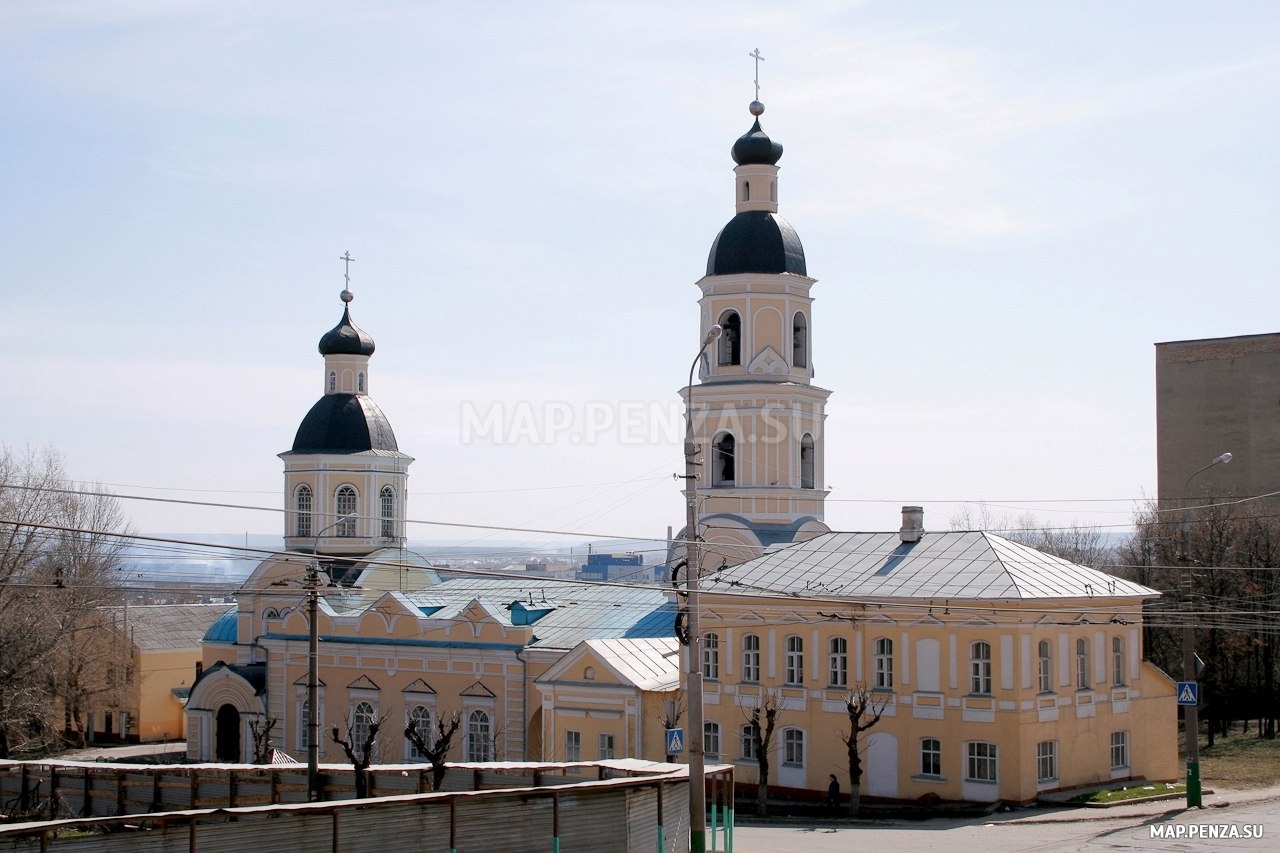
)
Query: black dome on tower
[
  {"x": 756, "y": 241},
  {"x": 755, "y": 146},
  {"x": 344, "y": 423},
  {"x": 346, "y": 338}
]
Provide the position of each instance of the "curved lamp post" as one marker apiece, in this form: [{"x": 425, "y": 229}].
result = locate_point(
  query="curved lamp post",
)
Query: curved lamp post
[
  {"x": 313, "y": 654},
  {"x": 1191, "y": 715},
  {"x": 693, "y": 571}
]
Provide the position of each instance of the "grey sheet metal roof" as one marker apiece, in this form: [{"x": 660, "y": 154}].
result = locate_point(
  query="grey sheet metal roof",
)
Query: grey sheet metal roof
[
  {"x": 575, "y": 611},
  {"x": 161, "y": 627},
  {"x": 650, "y": 664},
  {"x": 951, "y": 565}
]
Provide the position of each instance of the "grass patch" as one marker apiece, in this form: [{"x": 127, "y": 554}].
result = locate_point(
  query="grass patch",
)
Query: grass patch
[
  {"x": 1240, "y": 762},
  {"x": 1131, "y": 792}
]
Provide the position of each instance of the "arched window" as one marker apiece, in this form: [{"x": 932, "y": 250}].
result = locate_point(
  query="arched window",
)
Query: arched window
[
  {"x": 751, "y": 657},
  {"x": 302, "y": 503},
  {"x": 361, "y": 726},
  {"x": 711, "y": 740},
  {"x": 749, "y": 733},
  {"x": 478, "y": 736},
  {"x": 333, "y": 382},
  {"x": 1082, "y": 664},
  {"x": 388, "y": 502},
  {"x": 746, "y": 191},
  {"x": 793, "y": 747},
  {"x": 795, "y": 660},
  {"x": 723, "y": 462},
  {"x": 980, "y": 668},
  {"x": 730, "y": 347},
  {"x": 345, "y": 504},
  {"x": 304, "y": 724},
  {"x": 806, "y": 462},
  {"x": 1044, "y": 662},
  {"x": 420, "y": 720},
  {"x": 884, "y": 664},
  {"x": 710, "y": 655},
  {"x": 360, "y": 382},
  {"x": 838, "y": 662},
  {"x": 773, "y": 191},
  {"x": 799, "y": 341}
]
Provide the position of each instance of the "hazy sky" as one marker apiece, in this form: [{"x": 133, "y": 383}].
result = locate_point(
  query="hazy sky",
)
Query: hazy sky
[{"x": 1005, "y": 205}]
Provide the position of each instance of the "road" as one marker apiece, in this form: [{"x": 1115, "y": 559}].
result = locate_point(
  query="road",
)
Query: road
[{"x": 1068, "y": 830}]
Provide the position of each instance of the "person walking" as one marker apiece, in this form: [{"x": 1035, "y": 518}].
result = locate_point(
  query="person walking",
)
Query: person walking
[{"x": 833, "y": 795}]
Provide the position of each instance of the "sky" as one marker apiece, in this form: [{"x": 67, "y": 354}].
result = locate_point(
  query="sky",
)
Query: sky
[{"x": 1006, "y": 204}]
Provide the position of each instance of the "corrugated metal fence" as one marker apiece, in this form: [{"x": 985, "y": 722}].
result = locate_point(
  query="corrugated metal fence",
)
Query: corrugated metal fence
[{"x": 643, "y": 813}]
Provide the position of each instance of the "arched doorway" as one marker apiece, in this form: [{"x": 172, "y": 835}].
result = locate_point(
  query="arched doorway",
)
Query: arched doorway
[{"x": 227, "y": 739}]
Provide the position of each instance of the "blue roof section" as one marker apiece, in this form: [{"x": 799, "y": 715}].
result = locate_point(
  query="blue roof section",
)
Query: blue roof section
[
  {"x": 224, "y": 630},
  {"x": 575, "y": 611}
]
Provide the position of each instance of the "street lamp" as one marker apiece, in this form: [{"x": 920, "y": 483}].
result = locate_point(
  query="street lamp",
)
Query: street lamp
[
  {"x": 1191, "y": 715},
  {"x": 313, "y": 654},
  {"x": 693, "y": 571}
]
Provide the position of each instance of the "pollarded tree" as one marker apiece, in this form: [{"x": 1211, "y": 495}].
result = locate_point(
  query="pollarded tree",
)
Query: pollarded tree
[
  {"x": 360, "y": 744},
  {"x": 864, "y": 709},
  {"x": 61, "y": 551},
  {"x": 435, "y": 746},
  {"x": 762, "y": 722}
]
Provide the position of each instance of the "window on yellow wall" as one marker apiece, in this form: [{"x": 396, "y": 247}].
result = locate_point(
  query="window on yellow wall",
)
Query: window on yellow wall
[
  {"x": 1119, "y": 750},
  {"x": 751, "y": 657},
  {"x": 478, "y": 736},
  {"x": 711, "y": 740},
  {"x": 572, "y": 746},
  {"x": 606, "y": 746},
  {"x": 793, "y": 747},
  {"x": 799, "y": 340},
  {"x": 838, "y": 662},
  {"x": 345, "y": 502},
  {"x": 1117, "y": 661},
  {"x": 729, "y": 348},
  {"x": 1083, "y": 681},
  {"x": 930, "y": 757},
  {"x": 982, "y": 764},
  {"x": 884, "y": 663},
  {"x": 724, "y": 467},
  {"x": 711, "y": 655},
  {"x": 388, "y": 506},
  {"x": 807, "y": 463},
  {"x": 1044, "y": 666},
  {"x": 980, "y": 668},
  {"x": 302, "y": 503},
  {"x": 1047, "y": 761},
  {"x": 748, "y": 735},
  {"x": 420, "y": 720},
  {"x": 794, "y": 668},
  {"x": 362, "y": 716}
]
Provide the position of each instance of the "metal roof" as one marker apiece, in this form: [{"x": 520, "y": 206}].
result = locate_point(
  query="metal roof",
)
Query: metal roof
[
  {"x": 650, "y": 664},
  {"x": 947, "y": 566},
  {"x": 159, "y": 627},
  {"x": 574, "y": 611}
]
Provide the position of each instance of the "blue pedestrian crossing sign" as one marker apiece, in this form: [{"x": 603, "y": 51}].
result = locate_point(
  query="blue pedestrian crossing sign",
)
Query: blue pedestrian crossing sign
[
  {"x": 1188, "y": 693},
  {"x": 675, "y": 741}
]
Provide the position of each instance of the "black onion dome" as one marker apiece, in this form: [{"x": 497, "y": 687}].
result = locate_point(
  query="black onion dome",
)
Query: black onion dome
[
  {"x": 346, "y": 338},
  {"x": 756, "y": 241},
  {"x": 344, "y": 423},
  {"x": 755, "y": 146}
]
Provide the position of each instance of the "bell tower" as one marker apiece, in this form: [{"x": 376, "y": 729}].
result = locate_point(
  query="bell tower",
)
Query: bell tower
[{"x": 758, "y": 417}]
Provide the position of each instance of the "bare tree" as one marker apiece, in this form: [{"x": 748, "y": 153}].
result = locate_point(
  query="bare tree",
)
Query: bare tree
[
  {"x": 360, "y": 754},
  {"x": 672, "y": 711},
  {"x": 260, "y": 732},
  {"x": 435, "y": 747},
  {"x": 762, "y": 721},
  {"x": 1083, "y": 545},
  {"x": 859, "y": 702},
  {"x": 60, "y": 556}
]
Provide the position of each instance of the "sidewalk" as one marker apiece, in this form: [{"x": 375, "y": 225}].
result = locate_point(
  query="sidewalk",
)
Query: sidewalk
[{"x": 1076, "y": 814}]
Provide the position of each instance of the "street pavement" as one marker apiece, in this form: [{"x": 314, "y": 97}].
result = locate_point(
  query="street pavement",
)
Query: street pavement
[{"x": 1126, "y": 827}]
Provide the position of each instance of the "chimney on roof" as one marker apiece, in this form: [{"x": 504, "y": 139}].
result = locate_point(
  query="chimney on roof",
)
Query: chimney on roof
[{"x": 912, "y": 524}]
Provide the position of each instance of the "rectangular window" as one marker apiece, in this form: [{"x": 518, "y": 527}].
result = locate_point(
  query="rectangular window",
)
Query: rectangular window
[
  {"x": 838, "y": 662},
  {"x": 1045, "y": 666},
  {"x": 572, "y": 746},
  {"x": 1047, "y": 761},
  {"x": 711, "y": 656},
  {"x": 795, "y": 660},
  {"x": 749, "y": 741},
  {"x": 751, "y": 658},
  {"x": 1082, "y": 665},
  {"x": 1117, "y": 661},
  {"x": 793, "y": 747},
  {"x": 1119, "y": 750},
  {"x": 930, "y": 757},
  {"x": 884, "y": 664},
  {"x": 606, "y": 746},
  {"x": 981, "y": 765},
  {"x": 980, "y": 668}
]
